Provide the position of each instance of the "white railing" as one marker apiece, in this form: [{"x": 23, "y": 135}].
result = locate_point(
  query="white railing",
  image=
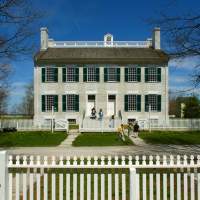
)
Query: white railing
[
  {"x": 68, "y": 44},
  {"x": 95, "y": 125},
  {"x": 148, "y": 177}
]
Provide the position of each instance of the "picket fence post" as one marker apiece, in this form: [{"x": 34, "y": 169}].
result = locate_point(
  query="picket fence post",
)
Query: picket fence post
[
  {"x": 133, "y": 192},
  {"x": 3, "y": 175}
]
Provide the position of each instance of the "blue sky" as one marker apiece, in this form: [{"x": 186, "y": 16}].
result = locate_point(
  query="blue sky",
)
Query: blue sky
[{"x": 91, "y": 19}]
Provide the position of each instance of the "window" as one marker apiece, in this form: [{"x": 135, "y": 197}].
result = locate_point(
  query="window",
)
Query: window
[
  {"x": 71, "y": 73},
  {"x": 132, "y": 102},
  {"x": 152, "y": 74},
  {"x": 132, "y": 74},
  {"x": 153, "y": 102},
  {"x": 49, "y": 74},
  {"x": 91, "y": 73},
  {"x": 70, "y": 102},
  {"x": 49, "y": 101},
  {"x": 111, "y": 74}
]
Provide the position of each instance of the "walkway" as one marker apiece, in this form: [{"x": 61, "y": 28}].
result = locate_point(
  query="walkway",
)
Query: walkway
[
  {"x": 99, "y": 151},
  {"x": 70, "y": 138}
]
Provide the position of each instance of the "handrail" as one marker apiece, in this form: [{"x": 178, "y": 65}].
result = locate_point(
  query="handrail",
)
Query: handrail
[{"x": 138, "y": 44}]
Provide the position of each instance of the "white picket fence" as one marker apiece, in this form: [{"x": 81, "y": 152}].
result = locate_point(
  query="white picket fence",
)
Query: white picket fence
[
  {"x": 95, "y": 125},
  {"x": 134, "y": 178}
]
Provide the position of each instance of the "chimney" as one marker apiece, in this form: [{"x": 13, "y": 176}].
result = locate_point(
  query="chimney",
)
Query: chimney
[
  {"x": 156, "y": 38},
  {"x": 44, "y": 38}
]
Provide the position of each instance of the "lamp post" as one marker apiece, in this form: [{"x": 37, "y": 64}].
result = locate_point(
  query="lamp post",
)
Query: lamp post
[{"x": 149, "y": 117}]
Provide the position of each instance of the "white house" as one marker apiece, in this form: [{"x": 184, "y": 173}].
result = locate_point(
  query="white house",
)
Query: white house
[{"x": 127, "y": 79}]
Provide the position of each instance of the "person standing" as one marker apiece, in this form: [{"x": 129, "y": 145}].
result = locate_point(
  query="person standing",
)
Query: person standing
[
  {"x": 136, "y": 129},
  {"x": 112, "y": 121},
  {"x": 101, "y": 119}
]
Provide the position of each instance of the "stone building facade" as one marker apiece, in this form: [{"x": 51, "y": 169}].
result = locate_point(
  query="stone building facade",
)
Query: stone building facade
[{"x": 127, "y": 79}]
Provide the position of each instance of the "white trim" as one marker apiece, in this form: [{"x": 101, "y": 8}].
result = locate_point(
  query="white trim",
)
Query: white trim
[
  {"x": 132, "y": 92},
  {"x": 112, "y": 92},
  {"x": 49, "y": 92},
  {"x": 91, "y": 92},
  {"x": 70, "y": 92},
  {"x": 154, "y": 92}
]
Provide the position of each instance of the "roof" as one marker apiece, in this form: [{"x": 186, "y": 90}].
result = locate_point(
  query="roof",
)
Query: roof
[{"x": 102, "y": 55}]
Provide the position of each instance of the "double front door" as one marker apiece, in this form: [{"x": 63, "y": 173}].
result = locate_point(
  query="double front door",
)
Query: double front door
[{"x": 110, "y": 101}]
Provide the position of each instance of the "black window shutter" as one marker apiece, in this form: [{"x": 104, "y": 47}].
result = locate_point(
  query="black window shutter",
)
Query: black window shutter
[
  {"x": 138, "y": 74},
  {"x": 97, "y": 74},
  {"x": 85, "y": 74},
  {"x": 146, "y": 74},
  {"x": 56, "y": 103},
  {"x": 138, "y": 102},
  {"x": 146, "y": 103},
  {"x": 126, "y": 103},
  {"x": 159, "y": 74},
  {"x": 77, "y": 103},
  {"x": 77, "y": 74},
  {"x": 43, "y": 103},
  {"x": 159, "y": 103},
  {"x": 64, "y": 103},
  {"x": 126, "y": 74},
  {"x": 64, "y": 74},
  {"x": 105, "y": 74},
  {"x": 43, "y": 74},
  {"x": 56, "y": 74},
  {"x": 118, "y": 74}
]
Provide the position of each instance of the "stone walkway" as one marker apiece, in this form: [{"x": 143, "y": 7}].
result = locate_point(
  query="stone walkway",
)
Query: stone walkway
[{"x": 71, "y": 137}]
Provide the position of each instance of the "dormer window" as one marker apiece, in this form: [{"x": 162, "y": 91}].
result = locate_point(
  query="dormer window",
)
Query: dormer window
[{"x": 108, "y": 40}]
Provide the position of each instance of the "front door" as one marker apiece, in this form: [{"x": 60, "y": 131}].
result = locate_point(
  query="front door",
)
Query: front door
[
  {"x": 90, "y": 104},
  {"x": 111, "y": 106}
]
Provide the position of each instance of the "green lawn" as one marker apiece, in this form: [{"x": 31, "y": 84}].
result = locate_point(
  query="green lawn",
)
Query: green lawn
[
  {"x": 100, "y": 139},
  {"x": 171, "y": 137},
  {"x": 31, "y": 139}
]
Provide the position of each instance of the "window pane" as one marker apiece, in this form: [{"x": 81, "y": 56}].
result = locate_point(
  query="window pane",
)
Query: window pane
[
  {"x": 71, "y": 104},
  {"x": 132, "y": 74},
  {"x": 153, "y": 102},
  {"x": 132, "y": 102},
  {"x": 49, "y": 102},
  {"x": 152, "y": 74},
  {"x": 50, "y": 74},
  {"x": 71, "y": 71},
  {"x": 112, "y": 74},
  {"x": 91, "y": 74}
]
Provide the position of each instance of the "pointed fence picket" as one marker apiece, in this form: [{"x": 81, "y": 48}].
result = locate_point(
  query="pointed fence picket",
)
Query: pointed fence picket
[{"x": 133, "y": 177}]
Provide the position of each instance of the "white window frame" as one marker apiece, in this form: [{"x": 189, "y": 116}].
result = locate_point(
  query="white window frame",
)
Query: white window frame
[
  {"x": 73, "y": 73},
  {"x": 91, "y": 77},
  {"x": 134, "y": 76},
  {"x": 70, "y": 98},
  {"x": 51, "y": 74},
  {"x": 153, "y": 102},
  {"x": 152, "y": 74},
  {"x": 49, "y": 99},
  {"x": 114, "y": 74},
  {"x": 134, "y": 106}
]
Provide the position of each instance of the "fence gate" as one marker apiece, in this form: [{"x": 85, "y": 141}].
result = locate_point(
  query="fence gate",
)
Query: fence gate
[{"x": 119, "y": 178}]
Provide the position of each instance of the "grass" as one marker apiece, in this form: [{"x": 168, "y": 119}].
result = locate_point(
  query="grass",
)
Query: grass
[
  {"x": 171, "y": 137},
  {"x": 31, "y": 139},
  {"x": 100, "y": 139}
]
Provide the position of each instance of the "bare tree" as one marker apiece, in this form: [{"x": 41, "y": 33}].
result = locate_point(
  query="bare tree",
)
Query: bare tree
[
  {"x": 26, "y": 106},
  {"x": 182, "y": 36},
  {"x": 17, "y": 26}
]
